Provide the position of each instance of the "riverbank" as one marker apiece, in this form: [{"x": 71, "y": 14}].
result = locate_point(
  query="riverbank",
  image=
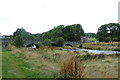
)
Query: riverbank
[
  {"x": 93, "y": 51},
  {"x": 113, "y": 46},
  {"x": 52, "y": 62}
]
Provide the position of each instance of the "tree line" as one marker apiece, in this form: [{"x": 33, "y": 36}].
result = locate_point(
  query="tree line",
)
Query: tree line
[
  {"x": 109, "y": 32},
  {"x": 106, "y": 33},
  {"x": 59, "y": 34}
]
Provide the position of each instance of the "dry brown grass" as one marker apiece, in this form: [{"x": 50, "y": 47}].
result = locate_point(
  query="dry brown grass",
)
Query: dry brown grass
[
  {"x": 52, "y": 59},
  {"x": 103, "y": 46},
  {"x": 72, "y": 68}
]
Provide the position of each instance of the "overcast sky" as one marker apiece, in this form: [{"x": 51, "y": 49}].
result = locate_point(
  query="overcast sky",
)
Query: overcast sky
[{"x": 37, "y": 16}]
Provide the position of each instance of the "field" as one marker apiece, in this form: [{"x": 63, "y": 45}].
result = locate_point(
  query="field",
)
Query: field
[
  {"x": 115, "y": 46},
  {"x": 0, "y": 60},
  {"x": 52, "y": 62}
]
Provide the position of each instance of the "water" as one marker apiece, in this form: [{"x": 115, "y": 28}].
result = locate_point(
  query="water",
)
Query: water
[{"x": 94, "y": 51}]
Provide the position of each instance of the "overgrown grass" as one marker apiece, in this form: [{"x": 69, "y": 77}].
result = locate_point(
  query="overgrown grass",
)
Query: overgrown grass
[
  {"x": 15, "y": 67},
  {"x": 52, "y": 62},
  {"x": 0, "y": 61},
  {"x": 115, "y": 46}
]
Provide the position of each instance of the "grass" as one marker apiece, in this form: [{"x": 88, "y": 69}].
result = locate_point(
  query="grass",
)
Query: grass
[
  {"x": 92, "y": 39},
  {"x": 0, "y": 62},
  {"x": 15, "y": 67},
  {"x": 102, "y": 68},
  {"x": 102, "y": 46},
  {"x": 48, "y": 62}
]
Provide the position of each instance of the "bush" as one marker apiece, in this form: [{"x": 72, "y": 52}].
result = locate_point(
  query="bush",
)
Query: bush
[
  {"x": 40, "y": 44},
  {"x": 60, "y": 41},
  {"x": 81, "y": 45},
  {"x": 47, "y": 42}
]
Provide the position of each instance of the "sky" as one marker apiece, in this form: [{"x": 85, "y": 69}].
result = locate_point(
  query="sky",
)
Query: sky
[{"x": 37, "y": 16}]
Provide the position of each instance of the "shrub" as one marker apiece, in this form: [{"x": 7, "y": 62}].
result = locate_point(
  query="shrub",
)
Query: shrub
[
  {"x": 40, "y": 44},
  {"x": 47, "y": 42},
  {"x": 72, "y": 68},
  {"x": 81, "y": 45},
  {"x": 60, "y": 41}
]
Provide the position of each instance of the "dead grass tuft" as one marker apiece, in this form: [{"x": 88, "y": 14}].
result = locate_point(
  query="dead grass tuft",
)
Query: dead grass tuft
[{"x": 72, "y": 68}]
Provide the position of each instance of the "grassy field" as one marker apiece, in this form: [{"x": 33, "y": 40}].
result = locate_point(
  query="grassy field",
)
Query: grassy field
[
  {"x": 115, "y": 46},
  {"x": 0, "y": 62},
  {"x": 52, "y": 62}
]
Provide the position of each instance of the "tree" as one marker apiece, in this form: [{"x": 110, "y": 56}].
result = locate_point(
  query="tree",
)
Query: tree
[
  {"x": 73, "y": 32},
  {"x": 20, "y": 36},
  {"x": 56, "y": 32},
  {"x": 79, "y": 31},
  {"x": 18, "y": 42},
  {"x": 24, "y": 35},
  {"x": 90, "y": 35},
  {"x": 69, "y": 33},
  {"x": 60, "y": 41},
  {"x": 109, "y": 32}
]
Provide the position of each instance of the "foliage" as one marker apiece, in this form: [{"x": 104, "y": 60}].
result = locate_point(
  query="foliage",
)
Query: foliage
[
  {"x": 24, "y": 35},
  {"x": 73, "y": 32},
  {"x": 56, "y": 32},
  {"x": 53, "y": 34},
  {"x": 20, "y": 35},
  {"x": 47, "y": 42},
  {"x": 69, "y": 33},
  {"x": 60, "y": 41},
  {"x": 109, "y": 32},
  {"x": 40, "y": 44},
  {"x": 92, "y": 39},
  {"x": 90, "y": 35},
  {"x": 81, "y": 45},
  {"x": 18, "y": 41}
]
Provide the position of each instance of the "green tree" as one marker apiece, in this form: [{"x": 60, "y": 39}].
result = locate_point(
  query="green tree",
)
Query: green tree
[
  {"x": 18, "y": 42},
  {"x": 73, "y": 32},
  {"x": 60, "y": 41},
  {"x": 109, "y": 32},
  {"x": 46, "y": 35},
  {"x": 24, "y": 35},
  {"x": 69, "y": 33},
  {"x": 79, "y": 31},
  {"x": 56, "y": 32},
  {"x": 90, "y": 35}
]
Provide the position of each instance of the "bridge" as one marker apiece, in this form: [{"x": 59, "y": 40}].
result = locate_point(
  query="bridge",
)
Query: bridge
[
  {"x": 53, "y": 43},
  {"x": 5, "y": 42}
]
